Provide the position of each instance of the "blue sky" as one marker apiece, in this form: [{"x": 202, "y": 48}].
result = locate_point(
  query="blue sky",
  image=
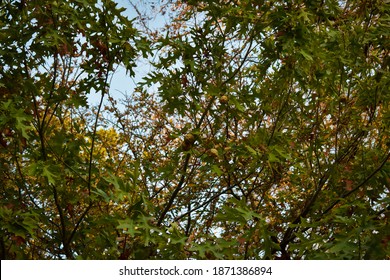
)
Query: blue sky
[{"x": 120, "y": 82}]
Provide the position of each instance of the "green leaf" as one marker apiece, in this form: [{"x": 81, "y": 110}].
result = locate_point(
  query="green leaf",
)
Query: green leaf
[
  {"x": 48, "y": 174},
  {"x": 216, "y": 170},
  {"x": 240, "y": 212},
  {"x": 41, "y": 168},
  {"x": 273, "y": 158},
  {"x": 251, "y": 150},
  {"x": 281, "y": 152},
  {"x": 306, "y": 55},
  {"x": 176, "y": 236},
  {"x": 236, "y": 104},
  {"x": 129, "y": 227},
  {"x": 101, "y": 193}
]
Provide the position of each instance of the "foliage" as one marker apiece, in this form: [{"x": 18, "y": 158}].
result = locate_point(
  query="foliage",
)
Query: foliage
[
  {"x": 260, "y": 132},
  {"x": 53, "y": 55}
]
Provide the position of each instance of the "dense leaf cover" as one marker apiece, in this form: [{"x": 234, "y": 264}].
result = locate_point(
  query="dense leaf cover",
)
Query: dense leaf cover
[{"x": 260, "y": 132}]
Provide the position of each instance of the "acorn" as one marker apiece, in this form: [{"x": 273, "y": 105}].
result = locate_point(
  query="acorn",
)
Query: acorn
[
  {"x": 7, "y": 132},
  {"x": 224, "y": 99},
  {"x": 343, "y": 99},
  {"x": 188, "y": 142},
  {"x": 214, "y": 152}
]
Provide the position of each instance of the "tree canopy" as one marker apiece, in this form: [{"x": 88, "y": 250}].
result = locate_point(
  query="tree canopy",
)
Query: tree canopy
[{"x": 261, "y": 131}]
